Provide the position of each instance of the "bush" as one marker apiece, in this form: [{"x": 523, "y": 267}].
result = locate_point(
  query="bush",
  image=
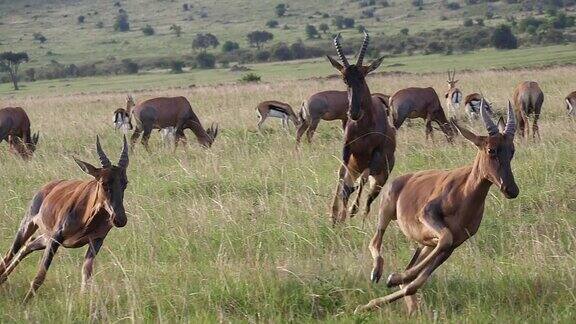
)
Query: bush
[
  {"x": 81, "y": 19},
  {"x": 257, "y": 38},
  {"x": 129, "y": 67},
  {"x": 177, "y": 30},
  {"x": 561, "y": 21},
  {"x": 468, "y": 22},
  {"x": 280, "y": 10},
  {"x": 404, "y": 31},
  {"x": 205, "y": 61},
  {"x": 39, "y": 37},
  {"x": 348, "y": 22},
  {"x": 229, "y": 46},
  {"x": 100, "y": 25},
  {"x": 479, "y": 21},
  {"x": 502, "y": 38},
  {"x": 176, "y": 66},
  {"x": 263, "y": 56},
  {"x": 281, "y": 52},
  {"x": 417, "y": 3},
  {"x": 147, "y": 30},
  {"x": 453, "y": 6},
  {"x": 121, "y": 23},
  {"x": 311, "y": 32},
  {"x": 323, "y": 27},
  {"x": 272, "y": 23},
  {"x": 250, "y": 77},
  {"x": 343, "y": 22}
]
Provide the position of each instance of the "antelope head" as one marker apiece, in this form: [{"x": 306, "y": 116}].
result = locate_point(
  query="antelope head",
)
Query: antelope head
[
  {"x": 355, "y": 77},
  {"x": 122, "y": 120},
  {"x": 113, "y": 182},
  {"x": 451, "y": 82},
  {"x": 495, "y": 151}
]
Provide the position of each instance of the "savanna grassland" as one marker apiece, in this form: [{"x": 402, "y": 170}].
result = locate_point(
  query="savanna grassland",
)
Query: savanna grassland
[{"x": 240, "y": 232}]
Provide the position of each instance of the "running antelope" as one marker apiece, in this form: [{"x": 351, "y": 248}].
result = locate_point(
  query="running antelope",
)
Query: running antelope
[
  {"x": 571, "y": 104},
  {"x": 71, "y": 213},
  {"x": 277, "y": 109},
  {"x": 440, "y": 210},
  {"x": 15, "y": 129},
  {"x": 472, "y": 105},
  {"x": 528, "y": 99},
  {"x": 327, "y": 105},
  {"x": 163, "y": 112},
  {"x": 453, "y": 95},
  {"x": 420, "y": 103},
  {"x": 369, "y": 141}
]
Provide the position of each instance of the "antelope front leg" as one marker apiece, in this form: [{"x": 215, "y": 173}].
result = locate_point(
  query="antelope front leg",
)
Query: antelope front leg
[
  {"x": 93, "y": 249},
  {"x": 387, "y": 213},
  {"x": 336, "y": 202},
  {"x": 49, "y": 252},
  {"x": 356, "y": 204}
]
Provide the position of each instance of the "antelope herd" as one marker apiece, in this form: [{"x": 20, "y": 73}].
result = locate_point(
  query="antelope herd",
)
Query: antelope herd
[{"x": 439, "y": 210}]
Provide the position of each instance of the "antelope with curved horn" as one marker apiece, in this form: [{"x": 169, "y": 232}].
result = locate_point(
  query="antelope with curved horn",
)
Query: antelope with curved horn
[
  {"x": 15, "y": 129},
  {"x": 72, "y": 214},
  {"x": 453, "y": 95},
  {"x": 440, "y": 210},
  {"x": 472, "y": 105},
  {"x": 571, "y": 103},
  {"x": 163, "y": 112},
  {"x": 277, "y": 109},
  {"x": 327, "y": 105},
  {"x": 528, "y": 99},
  {"x": 369, "y": 141},
  {"x": 420, "y": 103}
]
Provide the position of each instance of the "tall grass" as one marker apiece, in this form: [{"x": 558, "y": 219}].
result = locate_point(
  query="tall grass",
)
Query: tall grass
[{"x": 240, "y": 232}]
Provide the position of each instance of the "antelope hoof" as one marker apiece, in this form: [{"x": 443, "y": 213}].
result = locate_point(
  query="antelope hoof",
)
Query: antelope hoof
[
  {"x": 353, "y": 210},
  {"x": 394, "y": 280},
  {"x": 377, "y": 270}
]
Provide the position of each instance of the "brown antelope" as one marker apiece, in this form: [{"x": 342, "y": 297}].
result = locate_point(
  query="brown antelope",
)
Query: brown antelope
[
  {"x": 453, "y": 95},
  {"x": 440, "y": 210},
  {"x": 327, "y": 105},
  {"x": 163, "y": 112},
  {"x": 571, "y": 103},
  {"x": 420, "y": 103},
  {"x": 15, "y": 129},
  {"x": 528, "y": 99},
  {"x": 71, "y": 213},
  {"x": 369, "y": 141},
  {"x": 472, "y": 105},
  {"x": 277, "y": 109}
]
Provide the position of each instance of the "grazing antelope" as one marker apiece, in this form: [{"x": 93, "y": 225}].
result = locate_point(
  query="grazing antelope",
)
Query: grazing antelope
[
  {"x": 571, "y": 103},
  {"x": 420, "y": 103},
  {"x": 71, "y": 213},
  {"x": 369, "y": 141},
  {"x": 15, "y": 129},
  {"x": 528, "y": 99},
  {"x": 277, "y": 109},
  {"x": 453, "y": 95},
  {"x": 472, "y": 105},
  {"x": 440, "y": 210},
  {"x": 327, "y": 105},
  {"x": 163, "y": 112}
]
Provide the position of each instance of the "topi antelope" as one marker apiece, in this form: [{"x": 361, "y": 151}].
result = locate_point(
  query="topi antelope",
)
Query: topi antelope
[
  {"x": 472, "y": 105},
  {"x": 277, "y": 109},
  {"x": 571, "y": 104},
  {"x": 528, "y": 99},
  {"x": 163, "y": 112},
  {"x": 71, "y": 213},
  {"x": 420, "y": 103},
  {"x": 453, "y": 95},
  {"x": 15, "y": 129},
  {"x": 440, "y": 210},
  {"x": 327, "y": 105},
  {"x": 369, "y": 141}
]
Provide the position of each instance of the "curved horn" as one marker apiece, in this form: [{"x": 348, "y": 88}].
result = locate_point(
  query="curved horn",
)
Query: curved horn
[
  {"x": 510, "y": 128},
  {"x": 104, "y": 161},
  {"x": 340, "y": 52},
  {"x": 488, "y": 122},
  {"x": 123, "y": 162},
  {"x": 363, "y": 49}
]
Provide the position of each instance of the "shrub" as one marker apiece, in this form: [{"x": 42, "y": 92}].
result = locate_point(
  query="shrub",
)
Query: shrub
[
  {"x": 272, "y": 23},
  {"x": 281, "y": 52},
  {"x": 250, "y": 77},
  {"x": 129, "y": 67},
  {"x": 453, "y": 6},
  {"x": 468, "y": 22},
  {"x": 81, "y": 19},
  {"x": 147, "y": 30},
  {"x": 263, "y": 56},
  {"x": 177, "y": 30},
  {"x": 203, "y": 41},
  {"x": 417, "y": 3},
  {"x": 229, "y": 46},
  {"x": 311, "y": 32},
  {"x": 205, "y": 61},
  {"x": 280, "y": 10},
  {"x": 185, "y": 7},
  {"x": 343, "y": 22},
  {"x": 404, "y": 31},
  {"x": 323, "y": 27},
  {"x": 257, "y": 38},
  {"x": 479, "y": 21},
  {"x": 502, "y": 38},
  {"x": 176, "y": 66},
  {"x": 39, "y": 37},
  {"x": 121, "y": 23},
  {"x": 99, "y": 25}
]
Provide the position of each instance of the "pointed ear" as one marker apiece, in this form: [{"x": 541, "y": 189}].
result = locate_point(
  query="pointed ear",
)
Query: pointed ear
[
  {"x": 87, "y": 168},
  {"x": 374, "y": 65},
  {"x": 501, "y": 124},
  {"x": 475, "y": 139},
  {"x": 456, "y": 81},
  {"x": 335, "y": 64}
]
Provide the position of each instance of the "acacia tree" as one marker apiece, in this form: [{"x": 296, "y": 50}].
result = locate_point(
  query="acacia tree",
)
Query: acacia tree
[
  {"x": 257, "y": 38},
  {"x": 203, "y": 41},
  {"x": 10, "y": 62}
]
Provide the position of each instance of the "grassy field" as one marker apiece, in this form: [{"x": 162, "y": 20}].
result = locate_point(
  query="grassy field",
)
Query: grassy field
[
  {"x": 290, "y": 71},
  {"x": 240, "y": 232}
]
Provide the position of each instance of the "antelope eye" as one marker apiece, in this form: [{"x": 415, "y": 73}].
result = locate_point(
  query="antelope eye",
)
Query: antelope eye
[{"x": 492, "y": 152}]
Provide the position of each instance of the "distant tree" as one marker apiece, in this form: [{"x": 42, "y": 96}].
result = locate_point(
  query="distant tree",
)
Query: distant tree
[
  {"x": 282, "y": 52},
  {"x": 263, "y": 56},
  {"x": 453, "y": 5},
  {"x": 39, "y": 37},
  {"x": 177, "y": 30},
  {"x": 479, "y": 21},
  {"x": 361, "y": 28},
  {"x": 176, "y": 66},
  {"x": 204, "y": 41},
  {"x": 257, "y": 38},
  {"x": 147, "y": 30},
  {"x": 272, "y": 23},
  {"x": 468, "y": 22},
  {"x": 100, "y": 24},
  {"x": 185, "y": 7},
  {"x": 418, "y": 3},
  {"x": 311, "y": 32},
  {"x": 121, "y": 23},
  {"x": 348, "y": 22},
  {"x": 280, "y": 10},
  {"x": 323, "y": 27},
  {"x": 10, "y": 62},
  {"x": 503, "y": 38},
  {"x": 81, "y": 19},
  {"x": 404, "y": 31},
  {"x": 229, "y": 46},
  {"x": 343, "y": 22},
  {"x": 205, "y": 60},
  {"x": 129, "y": 66}
]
